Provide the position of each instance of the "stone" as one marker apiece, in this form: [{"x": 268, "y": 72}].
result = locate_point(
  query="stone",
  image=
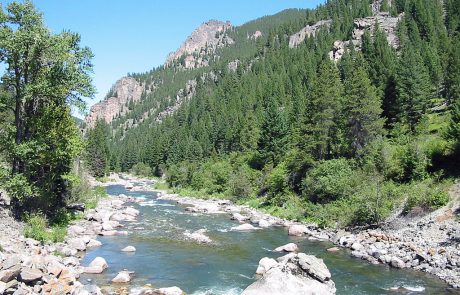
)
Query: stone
[
  {"x": 265, "y": 264},
  {"x": 244, "y": 227},
  {"x": 169, "y": 291},
  {"x": 77, "y": 244},
  {"x": 297, "y": 230},
  {"x": 315, "y": 267},
  {"x": 122, "y": 277},
  {"x": 93, "y": 243},
  {"x": 131, "y": 212},
  {"x": 264, "y": 223},
  {"x": 75, "y": 230},
  {"x": 72, "y": 261},
  {"x": 333, "y": 249},
  {"x": 98, "y": 265},
  {"x": 2, "y": 287},
  {"x": 128, "y": 249},
  {"x": 397, "y": 263},
  {"x": 239, "y": 217},
  {"x": 289, "y": 277},
  {"x": 291, "y": 247},
  {"x": 357, "y": 247},
  {"x": 199, "y": 236},
  {"x": 10, "y": 273},
  {"x": 29, "y": 275}
]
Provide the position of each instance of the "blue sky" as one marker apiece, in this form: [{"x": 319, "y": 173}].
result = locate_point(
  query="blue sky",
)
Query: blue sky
[{"x": 137, "y": 35}]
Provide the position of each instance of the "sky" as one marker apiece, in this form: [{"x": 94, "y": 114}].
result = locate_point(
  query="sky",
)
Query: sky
[{"x": 136, "y": 36}]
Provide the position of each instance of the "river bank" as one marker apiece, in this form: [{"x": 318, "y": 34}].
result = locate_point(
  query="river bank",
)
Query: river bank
[{"x": 427, "y": 243}]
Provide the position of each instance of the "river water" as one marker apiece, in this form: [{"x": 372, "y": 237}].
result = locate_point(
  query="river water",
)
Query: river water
[{"x": 165, "y": 257}]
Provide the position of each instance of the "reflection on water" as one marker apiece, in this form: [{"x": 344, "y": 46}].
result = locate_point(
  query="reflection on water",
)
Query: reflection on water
[{"x": 165, "y": 257}]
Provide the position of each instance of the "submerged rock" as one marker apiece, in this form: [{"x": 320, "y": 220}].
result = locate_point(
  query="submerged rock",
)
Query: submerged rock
[
  {"x": 122, "y": 277},
  {"x": 297, "y": 230},
  {"x": 291, "y": 247},
  {"x": 168, "y": 291},
  {"x": 128, "y": 249},
  {"x": 244, "y": 227},
  {"x": 199, "y": 236},
  {"x": 294, "y": 274}
]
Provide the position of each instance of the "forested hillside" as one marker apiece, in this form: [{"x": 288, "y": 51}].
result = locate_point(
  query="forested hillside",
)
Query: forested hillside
[{"x": 339, "y": 141}]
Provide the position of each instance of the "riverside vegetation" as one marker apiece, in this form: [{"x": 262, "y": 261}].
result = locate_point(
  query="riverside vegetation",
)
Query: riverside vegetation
[{"x": 340, "y": 143}]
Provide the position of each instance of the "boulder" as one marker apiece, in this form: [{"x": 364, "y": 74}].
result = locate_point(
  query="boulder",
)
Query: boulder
[
  {"x": 357, "y": 247},
  {"x": 199, "y": 236},
  {"x": 122, "y": 277},
  {"x": 128, "y": 249},
  {"x": 93, "y": 243},
  {"x": 29, "y": 275},
  {"x": 291, "y": 247},
  {"x": 294, "y": 274},
  {"x": 10, "y": 274},
  {"x": 239, "y": 217},
  {"x": 264, "y": 223},
  {"x": 131, "y": 212},
  {"x": 397, "y": 263},
  {"x": 333, "y": 249},
  {"x": 265, "y": 264},
  {"x": 244, "y": 227},
  {"x": 77, "y": 244},
  {"x": 169, "y": 291},
  {"x": 297, "y": 230},
  {"x": 96, "y": 266},
  {"x": 75, "y": 230}
]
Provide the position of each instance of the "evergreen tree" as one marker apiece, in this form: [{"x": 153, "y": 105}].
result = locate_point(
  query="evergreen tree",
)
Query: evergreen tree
[
  {"x": 413, "y": 88},
  {"x": 273, "y": 138},
  {"x": 320, "y": 131},
  {"x": 363, "y": 108},
  {"x": 97, "y": 149}
]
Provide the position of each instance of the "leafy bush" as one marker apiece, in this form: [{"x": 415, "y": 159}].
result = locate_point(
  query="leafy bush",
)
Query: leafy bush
[
  {"x": 426, "y": 194},
  {"x": 36, "y": 227},
  {"x": 141, "y": 169},
  {"x": 329, "y": 181}
]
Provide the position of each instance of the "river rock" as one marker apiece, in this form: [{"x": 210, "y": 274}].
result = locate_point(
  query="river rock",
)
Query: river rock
[
  {"x": 297, "y": 230},
  {"x": 199, "y": 236},
  {"x": 131, "y": 212},
  {"x": 128, "y": 249},
  {"x": 75, "y": 230},
  {"x": 264, "y": 223},
  {"x": 93, "y": 243},
  {"x": 122, "y": 277},
  {"x": 294, "y": 274},
  {"x": 397, "y": 263},
  {"x": 96, "y": 266},
  {"x": 10, "y": 274},
  {"x": 28, "y": 275},
  {"x": 239, "y": 217},
  {"x": 168, "y": 291},
  {"x": 77, "y": 244},
  {"x": 244, "y": 227},
  {"x": 265, "y": 264},
  {"x": 357, "y": 247},
  {"x": 333, "y": 249},
  {"x": 291, "y": 247}
]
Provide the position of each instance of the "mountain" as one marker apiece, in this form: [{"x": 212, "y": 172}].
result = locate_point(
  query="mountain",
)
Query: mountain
[{"x": 338, "y": 115}]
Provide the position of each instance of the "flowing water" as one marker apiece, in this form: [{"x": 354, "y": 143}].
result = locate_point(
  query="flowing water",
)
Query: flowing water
[{"x": 165, "y": 257}]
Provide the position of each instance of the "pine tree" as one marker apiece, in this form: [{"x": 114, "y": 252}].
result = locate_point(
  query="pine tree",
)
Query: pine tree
[
  {"x": 320, "y": 132},
  {"x": 413, "y": 88},
  {"x": 97, "y": 150},
  {"x": 273, "y": 138},
  {"x": 363, "y": 108}
]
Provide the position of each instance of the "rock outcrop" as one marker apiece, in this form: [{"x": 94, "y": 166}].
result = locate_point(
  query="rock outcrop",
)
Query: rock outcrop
[
  {"x": 293, "y": 274},
  {"x": 386, "y": 23},
  {"x": 296, "y": 39},
  {"x": 125, "y": 90},
  {"x": 204, "y": 40}
]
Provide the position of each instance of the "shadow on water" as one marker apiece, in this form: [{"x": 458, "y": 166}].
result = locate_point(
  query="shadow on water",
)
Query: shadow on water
[{"x": 165, "y": 258}]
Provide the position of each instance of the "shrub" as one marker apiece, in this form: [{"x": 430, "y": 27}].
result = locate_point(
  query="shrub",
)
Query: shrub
[
  {"x": 36, "y": 227},
  {"x": 426, "y": 194},
  {"x": 141, "y": 169},
  {"x": 329, "y": 181}
]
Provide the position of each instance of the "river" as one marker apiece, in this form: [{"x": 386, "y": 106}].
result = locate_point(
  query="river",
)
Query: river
[{"x": 165, "y": 257}]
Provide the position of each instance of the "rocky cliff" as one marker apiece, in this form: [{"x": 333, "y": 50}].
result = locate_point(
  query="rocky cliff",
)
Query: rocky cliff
[
  {"x": 296, "y": 39},
  {"x": 125, "y": 90},
  {"x": 196, "y": 50}
]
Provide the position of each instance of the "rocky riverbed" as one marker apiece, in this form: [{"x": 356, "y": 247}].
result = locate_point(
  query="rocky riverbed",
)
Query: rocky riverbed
[{"x": 428, "y": 243}]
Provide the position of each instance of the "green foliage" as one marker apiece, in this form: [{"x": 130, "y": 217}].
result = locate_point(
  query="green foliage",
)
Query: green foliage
[
  {"x": 427, "y": 195},
  {"x": 142, "y": 169},
  {"x": 329, "y": 181},
  {"x": 36, "y": 227},
  {"x": 45, "y": 74},
  {"x": 97, "y": 194},
  {"x": 97, "y": 149}
]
